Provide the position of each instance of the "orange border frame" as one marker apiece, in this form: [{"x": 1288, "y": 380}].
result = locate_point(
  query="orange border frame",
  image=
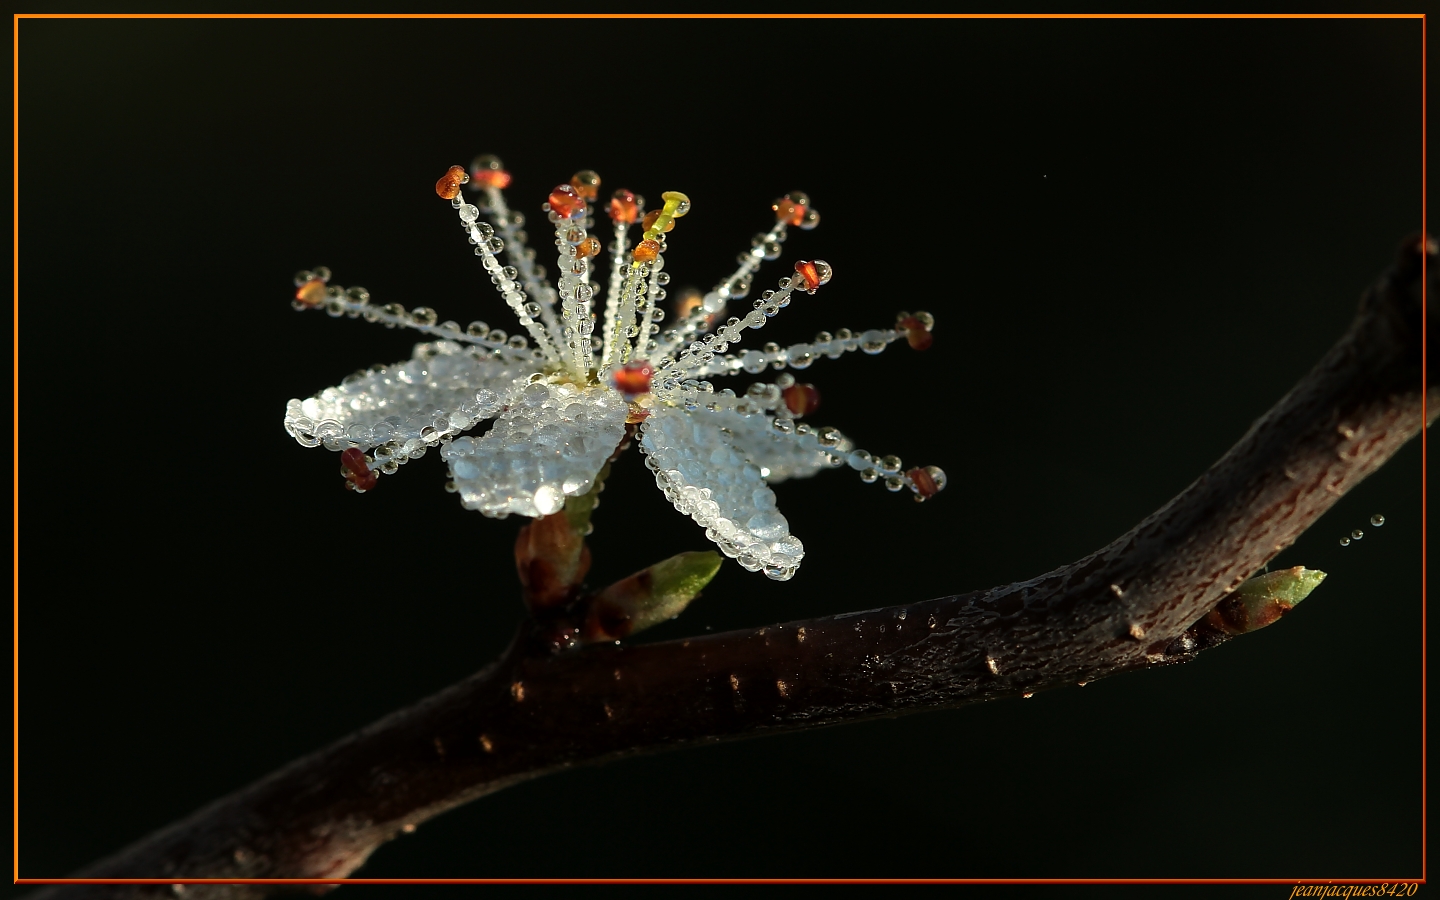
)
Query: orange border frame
[{"x": 1424, "y": 444}]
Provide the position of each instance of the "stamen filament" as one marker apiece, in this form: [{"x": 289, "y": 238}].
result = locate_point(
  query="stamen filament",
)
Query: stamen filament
[
  {"x": 510, "y": 290},
  {"x": 619, "y": 349},
  {"x": 618, "y": 249},
  {"x": 356, "y": 303},
  {"x": 575, "y": 293},
  {"x": 727, "y": 289},
  {"x": 702, "y": 352},
  {"x": 537, "y": 286},
  {"x": 801, "y": 356}
]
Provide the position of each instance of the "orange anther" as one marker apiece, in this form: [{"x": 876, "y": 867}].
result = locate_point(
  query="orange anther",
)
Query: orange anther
[
  {"x": 633, "y": 378},
  {"x": 491, "y": 178},
  {"x": 801, "y": 399},
  {"x": 925, "y": 484},
  {"x": 915, "y": 333},
  {"x": 646, "y": 251},
  {"x": 311, "y": 293},
  {"x": 565, "y": 201},
  {"x": 788, "y": 211},
  {"x": 448, "y": 187},
  {"x": 586, "y": 183},
  {"x": 808, "y": 272},
  {"x": 623, "y": 207}
]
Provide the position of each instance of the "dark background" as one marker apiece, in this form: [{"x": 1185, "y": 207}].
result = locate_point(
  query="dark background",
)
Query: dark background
[{"x": 1135, "y": 236}]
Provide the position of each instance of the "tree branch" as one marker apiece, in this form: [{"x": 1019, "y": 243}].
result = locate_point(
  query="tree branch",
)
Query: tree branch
[{"x": 1132, "y": 605}]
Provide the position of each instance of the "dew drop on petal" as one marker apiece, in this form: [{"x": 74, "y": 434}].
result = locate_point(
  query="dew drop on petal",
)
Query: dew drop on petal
[
  {"x": 548, "y": 499},
  {"x": 768, "y": 525}
]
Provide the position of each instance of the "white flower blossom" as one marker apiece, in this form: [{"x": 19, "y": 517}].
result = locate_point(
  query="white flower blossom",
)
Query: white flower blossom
[{"x": 565, "y": 399}]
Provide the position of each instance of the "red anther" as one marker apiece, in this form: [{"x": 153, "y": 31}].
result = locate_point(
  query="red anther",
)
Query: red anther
[
  {"x": 788, "y": 211},
  {"x": 565, "y": 201},
  {"x": 586, "y": 183},
  {"x": 650, "y": 219},
  {"x": 633, "y": 378},
  {"x": 623, "y": 207},
  {"x": 355, "y": 469},
  {"x": 925, "y": 486},
  {"x": 587, "y": 248},
  {"x": 646, "y": 251},
  {"x": 808, "y": 272},
  {"x": 915, "y": 333},
  {"x": 801, "y": 399},
  {"x": 311, "y": 293},
  {"x": 448, "y": 187}
]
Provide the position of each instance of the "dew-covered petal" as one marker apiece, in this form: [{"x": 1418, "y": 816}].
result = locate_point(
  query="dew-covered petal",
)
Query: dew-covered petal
[
  {"x": 778, "y": 454},
  {"x": 443, "y": 387},
  {"x": 706, "y": 475},
  {"x": 547, "y": 446}
]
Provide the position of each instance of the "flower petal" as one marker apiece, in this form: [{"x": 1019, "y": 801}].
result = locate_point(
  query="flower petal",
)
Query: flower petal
[
  {"x": 443, "y": 386},
  {"x": 706, "y": 475},
  {"x": 780, "y": 455},
  {"x": 547, "y": 446}
]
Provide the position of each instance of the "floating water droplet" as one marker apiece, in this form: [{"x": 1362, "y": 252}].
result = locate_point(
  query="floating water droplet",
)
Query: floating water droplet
[
  {"x": 1344, "y": 542},
  {"x": 1356, "y": 535},
  {"x": 1377, "y": 520}
]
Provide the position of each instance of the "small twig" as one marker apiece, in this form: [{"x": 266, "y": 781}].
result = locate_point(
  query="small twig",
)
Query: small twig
[{"x": 1134, "y": 604}]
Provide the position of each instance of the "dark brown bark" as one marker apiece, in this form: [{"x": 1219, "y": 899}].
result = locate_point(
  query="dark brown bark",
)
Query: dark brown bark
[{"x": 1127, "y": 606}]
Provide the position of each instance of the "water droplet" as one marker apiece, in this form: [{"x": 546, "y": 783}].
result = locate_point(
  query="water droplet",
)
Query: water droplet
[
  {"x": 1344, "y": 542},
  {"x": 1377, "y": 520},
  {"x": 1356, "y": 535}
]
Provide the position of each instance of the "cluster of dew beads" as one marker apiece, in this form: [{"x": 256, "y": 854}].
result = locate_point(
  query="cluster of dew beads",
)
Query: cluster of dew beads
[{"x": 1376, "y": 520}]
